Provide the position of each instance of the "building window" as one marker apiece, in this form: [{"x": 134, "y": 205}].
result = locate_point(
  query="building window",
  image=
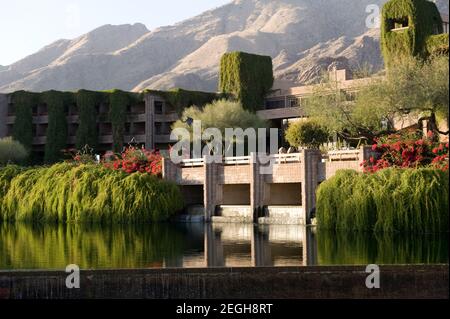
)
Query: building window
[
  {"x": 105, "y": 129},
  {"x": 274, "y": 104},
  {"x": 127, "y": 130},
  {"x": 398, "y": 24},
  {"x": 158, "y": 107},
  {"x": 139, "y": 128},
  {"x": 293, "y": 102},
  {"x": 158, "y": 128},
  {"x": 9, "y": 130},
  {"x": 11, "y": 109},
  {"x": 73, "y": 127}
]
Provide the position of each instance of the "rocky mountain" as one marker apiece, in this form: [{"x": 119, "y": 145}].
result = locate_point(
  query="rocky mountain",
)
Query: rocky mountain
[{"x": 302, "y": 36}]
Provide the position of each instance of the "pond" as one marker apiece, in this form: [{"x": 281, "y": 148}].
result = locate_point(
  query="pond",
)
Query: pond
[{"x": 24, "y": 246}]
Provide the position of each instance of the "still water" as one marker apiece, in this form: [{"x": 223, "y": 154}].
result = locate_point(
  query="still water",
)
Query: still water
[{"x": 24, "y": 246}]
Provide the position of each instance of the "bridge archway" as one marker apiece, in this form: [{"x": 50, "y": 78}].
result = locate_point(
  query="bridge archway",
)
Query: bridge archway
[
  {"x": 284, "y": 194},
  {"x": 236, "y": 194}
]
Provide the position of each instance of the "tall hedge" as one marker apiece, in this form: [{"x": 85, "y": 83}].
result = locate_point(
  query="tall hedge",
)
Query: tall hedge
[
  {"x": 405, "y": 200},
  {"x": 56, "y": 102},
  {"x": 248, "y": 77},
  {"x": 23, "y": 111},
  {"x": 424, "y": 20},
  {"x": 87, "y": 102},
  {"x": 118, "y": 101}
]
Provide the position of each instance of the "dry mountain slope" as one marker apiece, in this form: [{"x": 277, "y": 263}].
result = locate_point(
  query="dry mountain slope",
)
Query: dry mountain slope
[{"x": 302, "y": 36}]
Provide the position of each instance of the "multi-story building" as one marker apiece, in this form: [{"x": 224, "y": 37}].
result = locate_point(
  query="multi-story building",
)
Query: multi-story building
[{"x": 147, "y": 123}]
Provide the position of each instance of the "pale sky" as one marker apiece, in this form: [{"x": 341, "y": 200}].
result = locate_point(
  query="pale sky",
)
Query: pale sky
[{"x": 28, "y": 25}]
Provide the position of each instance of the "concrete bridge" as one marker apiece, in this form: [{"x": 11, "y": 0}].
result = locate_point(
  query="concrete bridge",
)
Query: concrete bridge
[{"x": 245, "y": 189}]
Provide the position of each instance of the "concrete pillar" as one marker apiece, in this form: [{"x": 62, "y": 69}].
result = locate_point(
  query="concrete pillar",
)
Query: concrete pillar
[
  {"x": 149, "y": 121},
  {"x": 169, "y": 170},
  {"x": 310, "y": 165},
  {"x": 213, "y": 248},
  {"x": 212, "y": 191},
  {"x": 261, "y": 254},
  {"x": 3, "y": 114},
  {"x": 257, "y": 185},
  {"x": 309, "y": 247}
]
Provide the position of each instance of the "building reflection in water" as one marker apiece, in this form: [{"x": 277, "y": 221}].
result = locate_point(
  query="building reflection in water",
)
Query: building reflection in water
[{"x": 248, "y": 245}]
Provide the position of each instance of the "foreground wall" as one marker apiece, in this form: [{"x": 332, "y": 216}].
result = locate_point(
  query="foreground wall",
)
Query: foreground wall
[{"x": 294, "y": 282}]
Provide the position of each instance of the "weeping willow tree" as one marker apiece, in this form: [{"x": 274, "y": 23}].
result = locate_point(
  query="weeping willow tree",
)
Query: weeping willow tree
[
  {"x": 406, "y": 200},
  {"x": 85, "y": 193}
]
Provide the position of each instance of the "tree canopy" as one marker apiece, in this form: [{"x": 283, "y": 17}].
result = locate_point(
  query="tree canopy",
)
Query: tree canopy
[
  {"x": 412, "y": 89},
  {"x": 222, "y": 115}
]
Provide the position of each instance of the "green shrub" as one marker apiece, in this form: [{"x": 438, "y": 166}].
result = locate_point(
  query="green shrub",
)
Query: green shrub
[
  {"x": 438, "y": 44},
  {"x": 86, "y": 193},
  {"x": 407, "y": 200},
  {"x": 248, "y": 77},
  {"x": 306, "y": 133},
  {"x": 11, "y": 151}
]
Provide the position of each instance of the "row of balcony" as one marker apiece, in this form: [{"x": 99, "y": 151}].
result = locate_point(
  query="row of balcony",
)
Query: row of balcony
[{"x": 108, "y": 139}]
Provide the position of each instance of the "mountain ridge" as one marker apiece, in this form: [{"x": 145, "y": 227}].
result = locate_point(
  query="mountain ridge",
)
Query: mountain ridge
[{"x": 302, "y": 36}]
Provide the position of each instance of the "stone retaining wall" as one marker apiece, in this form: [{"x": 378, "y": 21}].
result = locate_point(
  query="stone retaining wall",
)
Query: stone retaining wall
[{"x": 419, "y": 281}]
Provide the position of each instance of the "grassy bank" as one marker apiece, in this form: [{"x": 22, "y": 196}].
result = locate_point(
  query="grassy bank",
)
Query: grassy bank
[
  {"x": 84, "y": 193},
  {"x": 407, "y": 200}
]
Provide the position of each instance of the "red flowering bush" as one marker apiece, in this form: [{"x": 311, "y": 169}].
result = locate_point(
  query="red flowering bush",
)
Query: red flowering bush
[
  {"x": 134, "y": 160},
  {"x": 408, "y": 150}
]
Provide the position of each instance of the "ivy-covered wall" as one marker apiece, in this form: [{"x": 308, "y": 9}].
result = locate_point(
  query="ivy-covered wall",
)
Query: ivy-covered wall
[
  {"x": 87, "y": 102},
  {"x": 88, "y": 105},
  {"x": 57, "y": 104},
  {"x": 118, "y": 102},
  {"x": 23, "y": 109},
  {"x": 423, "y": 20},
  {"x": 248, "y": 77},
  {"x": 181, "y": 99}
]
